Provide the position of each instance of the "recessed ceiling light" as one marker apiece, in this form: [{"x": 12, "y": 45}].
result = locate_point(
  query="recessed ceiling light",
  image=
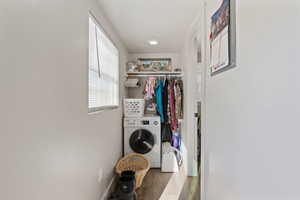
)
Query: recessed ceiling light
[{"x": 153, "y": 42}]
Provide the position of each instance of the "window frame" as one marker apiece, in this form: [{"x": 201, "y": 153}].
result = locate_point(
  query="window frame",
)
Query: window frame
[{"x": 95, "y": 110}]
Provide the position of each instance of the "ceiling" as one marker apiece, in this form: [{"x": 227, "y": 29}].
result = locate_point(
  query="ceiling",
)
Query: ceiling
[{"x": 138, "y": 21}]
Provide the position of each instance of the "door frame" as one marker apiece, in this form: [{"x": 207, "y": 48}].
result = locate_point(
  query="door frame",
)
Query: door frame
[
  {"x": 199, "y": 27},
  {"x": 204, "y": 26}
]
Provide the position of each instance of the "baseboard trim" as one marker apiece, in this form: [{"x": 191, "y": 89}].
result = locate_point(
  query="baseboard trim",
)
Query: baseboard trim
[{"x": 109, "y": 188}]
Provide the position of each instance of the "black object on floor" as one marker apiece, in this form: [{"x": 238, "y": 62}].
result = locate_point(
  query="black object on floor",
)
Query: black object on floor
[
  {"x": 130, "y": 174},
  {"x": 123, "y": 196},
  {"x": 126, "y": 184},
  {"x": 125, "y": 187}
]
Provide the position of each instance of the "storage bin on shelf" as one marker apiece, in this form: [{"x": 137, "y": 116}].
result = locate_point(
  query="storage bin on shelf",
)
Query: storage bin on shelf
[
  {"x": 134, "y": 162},
  {"x": 134, "y": 107}
]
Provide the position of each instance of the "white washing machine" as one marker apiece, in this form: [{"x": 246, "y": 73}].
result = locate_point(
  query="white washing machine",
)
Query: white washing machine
[{"x": 143, "y": 135}]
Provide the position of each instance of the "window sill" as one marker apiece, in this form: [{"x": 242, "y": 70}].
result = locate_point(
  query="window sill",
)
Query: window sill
[{"x": 95, "y": 111}]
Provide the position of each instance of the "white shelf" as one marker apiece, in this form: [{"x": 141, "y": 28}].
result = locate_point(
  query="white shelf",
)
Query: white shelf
[{"x": 145, "y": 74}]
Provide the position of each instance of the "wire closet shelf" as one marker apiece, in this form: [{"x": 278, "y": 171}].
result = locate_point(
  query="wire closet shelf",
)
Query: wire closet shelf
[{"x": 154, "y": 74}]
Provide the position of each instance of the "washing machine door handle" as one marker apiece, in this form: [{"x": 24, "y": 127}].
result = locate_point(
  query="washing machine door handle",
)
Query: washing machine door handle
[{"x": 150, "y": 146}]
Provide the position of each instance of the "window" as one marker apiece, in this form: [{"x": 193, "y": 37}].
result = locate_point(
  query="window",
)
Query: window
[{"x": 103, "y": 70}]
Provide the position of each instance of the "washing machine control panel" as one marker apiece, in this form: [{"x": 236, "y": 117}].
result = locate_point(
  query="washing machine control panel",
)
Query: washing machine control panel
[
  {"x": 149, "y": 123},
  {"x": 145, "y": 122},
  {"x": 132, "y": 122},
  {"x": 156, "y": 123}
]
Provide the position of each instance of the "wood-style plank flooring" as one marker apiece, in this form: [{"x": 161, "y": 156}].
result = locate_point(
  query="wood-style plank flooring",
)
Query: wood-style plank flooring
[
  {"x": 191, "y": 189},
  {"x": 153, "y": 185}
]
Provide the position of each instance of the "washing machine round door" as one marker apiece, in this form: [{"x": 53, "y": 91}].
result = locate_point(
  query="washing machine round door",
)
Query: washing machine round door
[{"x": 141, "y": 141}]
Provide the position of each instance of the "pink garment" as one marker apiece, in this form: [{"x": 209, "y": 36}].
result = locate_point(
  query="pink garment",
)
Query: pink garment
[
  {"x": 149, "y": 90},
  {"x": 149, "y": 95}
]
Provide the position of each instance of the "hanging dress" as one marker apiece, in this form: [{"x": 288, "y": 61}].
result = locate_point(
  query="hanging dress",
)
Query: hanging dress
[
  {"x": 173, "y": 119},
  {"x": 149, "y": 96},
  {"x": 165, "y": 100},
  {"x": 159, "y": 100},
  {"x": 178, "y": 99},
  {"x": 166, "y": 131}
]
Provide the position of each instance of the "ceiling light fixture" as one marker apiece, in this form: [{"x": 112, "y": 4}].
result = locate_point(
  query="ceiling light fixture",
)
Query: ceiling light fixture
[{"x": 153, "y": 42}]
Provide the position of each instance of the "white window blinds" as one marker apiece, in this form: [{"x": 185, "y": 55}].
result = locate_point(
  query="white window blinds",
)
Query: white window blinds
[{"x": 103, "y": 70}]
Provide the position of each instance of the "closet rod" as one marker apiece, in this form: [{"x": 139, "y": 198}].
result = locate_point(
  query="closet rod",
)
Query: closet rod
[{"x": 155, "y": 75}]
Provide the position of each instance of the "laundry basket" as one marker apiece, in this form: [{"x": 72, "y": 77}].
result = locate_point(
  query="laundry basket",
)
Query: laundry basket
[
  {"x": 134, "y": 107},
  {"x": 134, "y": 162}
]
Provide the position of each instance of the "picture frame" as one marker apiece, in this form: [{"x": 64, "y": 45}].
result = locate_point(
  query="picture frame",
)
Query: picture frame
[
  {"x": 223, "y": 38},
  {"x": 155, "y": 64}
]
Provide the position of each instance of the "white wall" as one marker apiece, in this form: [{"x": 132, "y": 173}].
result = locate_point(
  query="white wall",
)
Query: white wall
[
  {"x": 253, "y": 110},
  {"x": 50, "y": 148}
]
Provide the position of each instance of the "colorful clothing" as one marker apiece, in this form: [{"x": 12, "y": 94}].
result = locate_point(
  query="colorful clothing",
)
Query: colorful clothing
[
  {"x": 149, "y": 95},
  {"x": 173, "y": 120},
  {"x": 165, "y": 100},
  {"x": 159, "y": 100},
  {"x": 178, "y": 100}
]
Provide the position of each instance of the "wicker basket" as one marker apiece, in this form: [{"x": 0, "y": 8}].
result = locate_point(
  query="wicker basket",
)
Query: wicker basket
[{"x": 134, "y": 162}]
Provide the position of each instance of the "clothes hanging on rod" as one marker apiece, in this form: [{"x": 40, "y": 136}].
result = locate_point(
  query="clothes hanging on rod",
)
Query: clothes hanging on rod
[
  {"x": 172, "y": 112},
  {"x": 179, "y": 98},
  {"x": 164, "y": 97},
  {"x": 159, "y": 99},
  {"x": 166, "y": 133},
  {"x": 166, "y": 100},
  {"x": 149, "y": 95}
]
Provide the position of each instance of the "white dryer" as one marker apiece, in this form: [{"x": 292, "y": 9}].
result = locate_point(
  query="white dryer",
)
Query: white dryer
[{"x": 143, "y": 135}]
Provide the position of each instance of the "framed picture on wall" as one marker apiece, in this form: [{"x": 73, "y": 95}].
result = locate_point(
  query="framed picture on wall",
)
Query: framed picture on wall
[
  {"x": 223, "y": 38},
  {"x": 155, "y": 64}
]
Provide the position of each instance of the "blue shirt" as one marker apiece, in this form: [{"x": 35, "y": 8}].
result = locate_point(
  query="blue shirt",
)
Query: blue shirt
[{"x": 159, "y": 99}]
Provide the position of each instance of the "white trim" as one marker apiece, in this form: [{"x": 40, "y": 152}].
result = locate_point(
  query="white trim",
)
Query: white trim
[
  {"x": 101, "y": 109},
  {"x": 203, "y": 110},
  {"x": 108, "y": 189}
]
